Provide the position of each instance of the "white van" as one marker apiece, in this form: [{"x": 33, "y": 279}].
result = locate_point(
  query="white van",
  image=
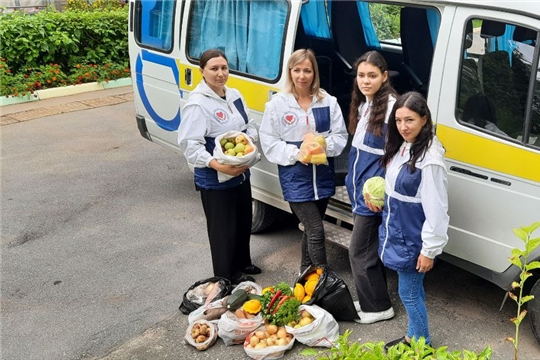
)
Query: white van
[{"x": 477, "y": 62}]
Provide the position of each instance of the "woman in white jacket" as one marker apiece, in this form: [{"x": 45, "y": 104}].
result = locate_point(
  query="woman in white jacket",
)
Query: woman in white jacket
[
  {"x": 415, "y": 214},
  {"x": 211, "y": 110},
  {"x": 302, "y": 108}
]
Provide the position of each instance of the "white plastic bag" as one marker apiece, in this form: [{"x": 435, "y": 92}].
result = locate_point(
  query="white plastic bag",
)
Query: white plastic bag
[
  {"x": 210, "y": 338},
  {"x": 323, "y": 331},
  {"x": 247, "y": 160},
  {"x": 234, "y": 330},
  {"x": 202, "y": 313},
  {"x": 269, "y": 352},
  {"x": 250, "y": 287}
]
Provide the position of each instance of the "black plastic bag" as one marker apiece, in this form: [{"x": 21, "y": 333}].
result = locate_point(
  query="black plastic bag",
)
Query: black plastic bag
[
  {"x": 332, "y": 294},
  {"x": 196, "y": 296}
]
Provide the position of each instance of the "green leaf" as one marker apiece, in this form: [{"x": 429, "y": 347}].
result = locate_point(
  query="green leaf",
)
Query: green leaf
[
  {"x": 532, "y": 265},
  {"x": 527, "y": 298},
  {"x": 534, "y": 226},
  {"x": 520, "y": 233},
  {"x": 532, "y": 244},
  {"x": 518, "y": 252},
  {"x": 516, "y": 261}
]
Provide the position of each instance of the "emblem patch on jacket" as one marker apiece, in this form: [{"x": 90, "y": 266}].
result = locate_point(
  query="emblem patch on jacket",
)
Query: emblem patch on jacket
[
  {"x": 221, "y": 115},
  {"x": 290, "y": 119}
]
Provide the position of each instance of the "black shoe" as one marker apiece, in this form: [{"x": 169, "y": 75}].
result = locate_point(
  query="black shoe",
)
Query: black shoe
[
  {"x": 241, "y": 278},
  {"x": 401, "y": 340},
  {"x": 252, "y": 270}
]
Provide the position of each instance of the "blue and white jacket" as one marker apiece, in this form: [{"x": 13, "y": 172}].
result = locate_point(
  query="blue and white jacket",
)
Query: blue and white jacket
[
  {"x": 364, "y": 156},
  {"x": 204, "y": 117},
  {"x": 415, "y": 214},
  {"x": 283, "y": 127}
]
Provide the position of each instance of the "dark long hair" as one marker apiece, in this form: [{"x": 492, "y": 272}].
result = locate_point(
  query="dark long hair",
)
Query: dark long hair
[
  {"x": 415, "y": 102},
  {"x": 380, "y": 100}
]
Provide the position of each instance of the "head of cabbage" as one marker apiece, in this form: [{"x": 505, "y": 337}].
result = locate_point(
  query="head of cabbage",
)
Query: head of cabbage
[{"x": 375, "y": 188}]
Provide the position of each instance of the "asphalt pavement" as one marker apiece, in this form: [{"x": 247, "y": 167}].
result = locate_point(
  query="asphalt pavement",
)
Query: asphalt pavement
[{"x": 464, "y": 310}]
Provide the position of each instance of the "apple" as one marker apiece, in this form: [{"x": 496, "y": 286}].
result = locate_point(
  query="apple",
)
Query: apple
[
  {"x": 231, "y": 152},
  {"x": 239, "y": 148},
  {"x": 248, "y": 148},
  {"x": 239, "y": 154},
  {"x": 223, "y": 141},
  {"x": 241, "y": 139},
  {"x": 228, "y": 145}
]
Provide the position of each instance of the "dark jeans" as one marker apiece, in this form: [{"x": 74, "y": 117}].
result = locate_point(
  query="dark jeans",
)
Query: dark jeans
[
  {"x": 311, "y": 215},
  {"x": 228, "y": 221},
  {"x": 368, "y": 271}
]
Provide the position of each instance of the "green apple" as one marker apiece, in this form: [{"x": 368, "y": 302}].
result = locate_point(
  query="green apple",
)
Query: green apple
[
  {"x": 239, "y": 154},
  {"x": 223, "y": 141},
  {"x": 228, "y": 145},
  {"x": 230, "y": 152},
  {"x": 239, "y": 148}
]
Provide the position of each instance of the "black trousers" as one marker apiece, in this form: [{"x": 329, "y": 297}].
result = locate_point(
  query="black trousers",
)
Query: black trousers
[
  {"x": 368, "y": 270},
  {"x": 228, "y": 221},
  {"x": 311, "y": 214}
]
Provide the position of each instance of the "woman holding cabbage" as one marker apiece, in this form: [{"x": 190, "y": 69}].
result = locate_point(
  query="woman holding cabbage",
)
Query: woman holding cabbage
[
  {"x": 371, "y": 104},
  {"x": 415, "y": 214}
]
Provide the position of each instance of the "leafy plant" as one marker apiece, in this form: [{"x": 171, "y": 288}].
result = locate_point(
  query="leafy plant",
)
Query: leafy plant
[
  {"x": 345, "y": 350},
  {"x": 520, "y": 259}
]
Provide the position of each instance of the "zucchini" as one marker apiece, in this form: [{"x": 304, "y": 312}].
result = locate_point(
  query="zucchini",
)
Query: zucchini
[
  {"x": 236, "y": 299},
  {"x": 254, "y": 297}
]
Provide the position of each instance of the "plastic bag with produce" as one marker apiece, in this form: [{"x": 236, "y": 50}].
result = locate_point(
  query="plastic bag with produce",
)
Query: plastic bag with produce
[
  {"x": 317, "y": 327},
  {"x": 204, "y": 292},
  {"x": 201, "y": 334},
  {"x": 209, "y": 312},
  {"x": 268, "y": 342},
  {"x": 233, "y": 328},
  {"x": 313, "y": 150},
  {"x": 235, "y": 148}
]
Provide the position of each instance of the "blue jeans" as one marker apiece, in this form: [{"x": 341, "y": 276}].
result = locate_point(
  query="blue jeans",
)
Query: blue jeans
[{"x": 411, "y": 292}]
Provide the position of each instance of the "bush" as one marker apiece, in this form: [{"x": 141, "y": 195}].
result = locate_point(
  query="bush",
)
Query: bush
[{"x": 72, "y": 47}]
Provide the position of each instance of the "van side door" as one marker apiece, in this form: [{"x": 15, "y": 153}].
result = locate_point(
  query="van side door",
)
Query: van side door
[{"x": 488, "y": 120}]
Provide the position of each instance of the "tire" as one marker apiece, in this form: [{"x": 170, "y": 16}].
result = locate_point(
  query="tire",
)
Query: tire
[
  {"x": 263, "y": 217},
  {"x": 533, "y": 310}
]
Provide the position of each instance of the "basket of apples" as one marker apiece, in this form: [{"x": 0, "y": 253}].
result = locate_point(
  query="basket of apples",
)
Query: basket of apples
[{"x": 235, "y": 148}]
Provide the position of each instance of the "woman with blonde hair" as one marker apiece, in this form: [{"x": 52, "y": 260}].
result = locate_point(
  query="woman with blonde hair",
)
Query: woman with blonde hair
[{"x": 300, "y": 109}]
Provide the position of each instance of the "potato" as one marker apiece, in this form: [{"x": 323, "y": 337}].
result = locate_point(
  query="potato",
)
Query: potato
[
  {"x": 260, "y": 334},
  {"x": 253, "y": 341},
  {"x": 282, "y": 342},
  {"x": 271, "y": 329},
  {"x": 305, "y": 313},
  {"x": 305, "y": 321},
  {"x": 282, "y": 333}
]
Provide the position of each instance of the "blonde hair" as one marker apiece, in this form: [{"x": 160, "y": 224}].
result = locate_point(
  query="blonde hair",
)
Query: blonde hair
[{"x": 297, "y": 57}]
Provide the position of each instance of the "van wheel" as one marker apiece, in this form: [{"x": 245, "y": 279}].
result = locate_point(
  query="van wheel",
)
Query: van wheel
[
  {"x": 533, "y": 309},
  {"x": 263, "y": 217}
]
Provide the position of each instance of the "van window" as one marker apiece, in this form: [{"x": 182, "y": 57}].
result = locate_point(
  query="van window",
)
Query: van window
[
  {"x": 153, "y": 20},
  {"x": 250, "y": 33},
  {"x": 494, "y": 84},
  {"x": 386, "y": 21}
]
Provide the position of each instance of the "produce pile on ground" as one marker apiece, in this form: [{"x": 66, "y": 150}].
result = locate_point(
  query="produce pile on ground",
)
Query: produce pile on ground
[{"x": 265, "y": 321}]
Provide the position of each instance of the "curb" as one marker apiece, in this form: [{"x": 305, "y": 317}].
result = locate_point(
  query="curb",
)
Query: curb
[{"x": 64, "y": 91}]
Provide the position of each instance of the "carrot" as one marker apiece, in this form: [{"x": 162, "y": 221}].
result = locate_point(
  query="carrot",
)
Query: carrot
[{"x": 283, "y": 299}]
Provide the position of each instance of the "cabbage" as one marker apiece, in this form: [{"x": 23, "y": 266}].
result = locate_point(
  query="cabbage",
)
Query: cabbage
[{"x": 375, "y": 188}]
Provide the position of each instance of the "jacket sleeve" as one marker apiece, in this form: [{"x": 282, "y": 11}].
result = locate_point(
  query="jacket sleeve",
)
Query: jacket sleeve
[
  {"x": 191, "y": 134},
  {"x": 434, "y": 195},
  {"x": 251, "y": 126},
  {"x": 336, "y": 140},
  {"x": 274, "y": 148}
]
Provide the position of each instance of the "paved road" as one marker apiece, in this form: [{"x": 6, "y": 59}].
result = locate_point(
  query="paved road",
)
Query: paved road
[{"x": 102, "y": 232}]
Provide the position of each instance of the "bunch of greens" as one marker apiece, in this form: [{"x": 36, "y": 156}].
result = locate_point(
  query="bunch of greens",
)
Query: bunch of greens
[{"x": 279, "y": 306}]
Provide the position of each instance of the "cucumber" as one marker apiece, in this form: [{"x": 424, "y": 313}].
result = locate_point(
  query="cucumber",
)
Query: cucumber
[{"x": 236, "y": 299}]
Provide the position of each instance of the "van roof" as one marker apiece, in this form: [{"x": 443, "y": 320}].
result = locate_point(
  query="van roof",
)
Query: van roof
[{"x": 531, "y": 8}]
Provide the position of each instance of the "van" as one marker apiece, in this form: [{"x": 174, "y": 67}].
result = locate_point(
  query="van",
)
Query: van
[{"x": 477, "y": 63}]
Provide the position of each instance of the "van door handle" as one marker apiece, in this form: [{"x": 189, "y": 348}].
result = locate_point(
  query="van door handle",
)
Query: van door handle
[
  {"x": 187, "y": 77},
  {"x": 468, "y": 172}
]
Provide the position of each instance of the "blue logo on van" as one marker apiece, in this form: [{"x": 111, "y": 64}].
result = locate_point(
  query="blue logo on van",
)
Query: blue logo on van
[{"x": 166, "y": 124}]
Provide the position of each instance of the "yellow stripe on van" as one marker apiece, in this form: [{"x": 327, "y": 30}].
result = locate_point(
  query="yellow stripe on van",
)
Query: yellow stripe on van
[
  {"x": 256, "y": 95},
  {"x": 490, "y": 154}
]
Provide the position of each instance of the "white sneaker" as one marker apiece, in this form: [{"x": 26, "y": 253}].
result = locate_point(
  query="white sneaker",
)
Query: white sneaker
[
  {"x": 371, "y": 317},
  {"x": 357, "y": 306}
]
